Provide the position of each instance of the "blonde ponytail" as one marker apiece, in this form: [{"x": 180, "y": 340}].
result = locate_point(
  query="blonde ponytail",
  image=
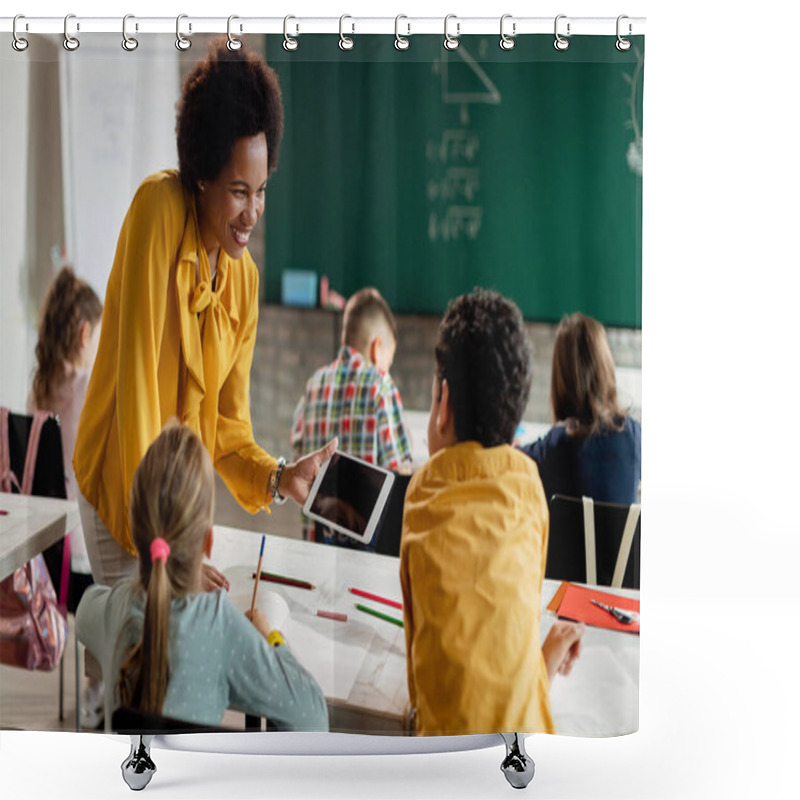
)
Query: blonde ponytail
[{"x": 172, "y": 507}]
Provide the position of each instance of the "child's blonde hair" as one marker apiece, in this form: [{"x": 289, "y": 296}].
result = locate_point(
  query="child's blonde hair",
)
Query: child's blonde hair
[
  {"x": 366, "y": 315},
  {"x": 172, "y": 497}
]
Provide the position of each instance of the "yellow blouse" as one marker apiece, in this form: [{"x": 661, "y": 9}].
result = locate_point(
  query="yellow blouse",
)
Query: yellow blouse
[
  {"x": 170, "y": 345},
  {"x": 472, "y": 559}
]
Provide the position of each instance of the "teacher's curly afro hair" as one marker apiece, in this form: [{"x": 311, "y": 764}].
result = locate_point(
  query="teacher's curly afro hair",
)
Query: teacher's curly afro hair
[{"x": 227, "y": 95}]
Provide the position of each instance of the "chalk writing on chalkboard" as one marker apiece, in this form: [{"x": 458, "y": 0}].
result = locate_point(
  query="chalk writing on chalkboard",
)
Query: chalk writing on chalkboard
[{"x": 454, "y": 182}]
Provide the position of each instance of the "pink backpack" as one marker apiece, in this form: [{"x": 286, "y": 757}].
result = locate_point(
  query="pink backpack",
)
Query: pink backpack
[{"x": 33, "y": 629}]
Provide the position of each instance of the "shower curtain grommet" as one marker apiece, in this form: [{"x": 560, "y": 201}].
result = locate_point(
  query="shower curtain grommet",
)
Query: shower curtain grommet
[
  {"x": 18, "y": 42},
  {"x": 181, "y": 42},
  {"x": 70, "y": 43},
  {"x": 507, "y": 42}
]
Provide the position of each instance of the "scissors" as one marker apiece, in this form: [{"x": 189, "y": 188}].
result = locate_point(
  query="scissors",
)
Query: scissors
[{"x": 623, "y": 616}]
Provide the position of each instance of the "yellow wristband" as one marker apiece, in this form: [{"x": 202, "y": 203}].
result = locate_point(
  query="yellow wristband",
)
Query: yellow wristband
[{"x": 275, "y": 638}]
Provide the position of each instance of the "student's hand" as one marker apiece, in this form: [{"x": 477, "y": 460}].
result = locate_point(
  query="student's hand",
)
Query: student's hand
[
  {"x": 260, "y": 621},
  {"x": 297, "y": 478},
  {"x": 213, "y": 579},
  {"x": 562, "y": 647}
]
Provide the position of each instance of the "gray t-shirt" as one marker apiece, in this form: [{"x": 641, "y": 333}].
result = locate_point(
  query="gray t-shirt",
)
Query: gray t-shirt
[{"x": 217, "y": 659}]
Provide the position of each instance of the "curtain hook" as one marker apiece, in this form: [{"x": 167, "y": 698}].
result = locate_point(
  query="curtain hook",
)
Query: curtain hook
[
  {"x": 181, "y": 42},
  {"x": 561, "y": 43},
  {"x": 451, "y": 42},
  {"x": 623, "y": 44},
  {"x": 507, "y": 42},
  {"x": 70, "y": 42},
  {"x": 129, "y": 43},
  {"x": 289, "y": 43},
  {"x": 18, "y": 43},
  {"x": 401, "y": 42},
  {"x": 345, "y": 42},
  {"x": 234, "y": 44}
]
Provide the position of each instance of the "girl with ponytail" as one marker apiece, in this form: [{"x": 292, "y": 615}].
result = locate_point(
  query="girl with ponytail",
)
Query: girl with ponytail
[
  {"x": 174, "y": 649},
  {"x": 69, "y": 332}
]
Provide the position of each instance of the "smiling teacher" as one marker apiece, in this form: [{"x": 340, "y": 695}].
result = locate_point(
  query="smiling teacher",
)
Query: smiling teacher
[{"x": 181, "y": 312}]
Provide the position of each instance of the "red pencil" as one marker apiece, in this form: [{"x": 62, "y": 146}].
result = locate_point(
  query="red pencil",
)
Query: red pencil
[
  {"x": 272, "y": 578},
  {"x": 376, "y": 598}
]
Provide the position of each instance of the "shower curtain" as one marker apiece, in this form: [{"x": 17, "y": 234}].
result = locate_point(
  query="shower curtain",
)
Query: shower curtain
[{"x": 423, "y": 173}]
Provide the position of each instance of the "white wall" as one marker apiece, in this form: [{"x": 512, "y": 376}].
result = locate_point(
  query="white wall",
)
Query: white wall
[
  {"x": 78, "y": 133},
  {"x": 16, "y": 327},
  {"x": 118, "y": 126}
]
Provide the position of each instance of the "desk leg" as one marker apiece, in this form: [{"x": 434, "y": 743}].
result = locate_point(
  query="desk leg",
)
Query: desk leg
[
  {"x": 138, "y": 768},
  {"x": 517, "y": 766}
]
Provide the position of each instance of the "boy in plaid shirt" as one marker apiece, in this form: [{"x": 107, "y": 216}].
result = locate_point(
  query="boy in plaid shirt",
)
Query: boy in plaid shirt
[{"x": 355, "y": 398}]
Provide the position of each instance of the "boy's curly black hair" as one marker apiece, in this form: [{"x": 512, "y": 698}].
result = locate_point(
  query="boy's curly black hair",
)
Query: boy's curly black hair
[
  {"x": 226, "y": 96},
  {"x": 484, "y": 353}
]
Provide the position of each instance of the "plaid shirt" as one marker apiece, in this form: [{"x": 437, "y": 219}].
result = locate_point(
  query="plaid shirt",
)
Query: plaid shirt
[{"x": 352, "y": 399}]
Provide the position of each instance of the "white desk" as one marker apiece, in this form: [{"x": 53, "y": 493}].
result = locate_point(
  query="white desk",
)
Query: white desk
[
  {"x": 361, "y": 663},
  {"x": 417, "y": 425},
  {"x": 29, "y": 526}
]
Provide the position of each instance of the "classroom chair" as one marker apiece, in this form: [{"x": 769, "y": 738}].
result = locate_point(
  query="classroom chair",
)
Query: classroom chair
[
  {"x": 593, "y": 542},
  {"x": 387, "y": 541}
]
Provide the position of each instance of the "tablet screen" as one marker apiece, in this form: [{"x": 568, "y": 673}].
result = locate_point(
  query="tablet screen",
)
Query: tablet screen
[{"x": 348, "y": 494}]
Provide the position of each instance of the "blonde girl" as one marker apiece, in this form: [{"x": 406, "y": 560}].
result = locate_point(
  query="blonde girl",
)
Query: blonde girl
[{"x": 176, "y": 650}]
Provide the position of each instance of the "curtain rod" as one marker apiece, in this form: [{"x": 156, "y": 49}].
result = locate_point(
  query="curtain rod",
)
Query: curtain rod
[{"x": 347, "y": 25}]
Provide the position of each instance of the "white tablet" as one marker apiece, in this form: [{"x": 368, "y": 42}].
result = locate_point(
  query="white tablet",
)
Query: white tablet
[{"x": 349, "y": 496}]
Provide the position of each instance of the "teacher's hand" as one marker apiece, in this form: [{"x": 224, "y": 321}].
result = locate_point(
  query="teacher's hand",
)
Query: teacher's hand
[{"x": 297, "y": 478}]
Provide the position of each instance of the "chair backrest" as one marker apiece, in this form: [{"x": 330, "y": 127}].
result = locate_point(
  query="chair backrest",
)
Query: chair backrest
[
  {"x": 612, "y": 530},
  {"x": 48, "y": 477},
  {"x": 387, "y": 534}
]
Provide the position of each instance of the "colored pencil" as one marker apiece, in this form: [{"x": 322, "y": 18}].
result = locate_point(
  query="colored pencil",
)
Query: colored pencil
[
  {"x": 386, "y": 617},
  {"x": 377, "y": 598},
  {"x": 282, "y": 579},
  {"x": 258, "y": 570},
  {"x": 332, "y": 615}
]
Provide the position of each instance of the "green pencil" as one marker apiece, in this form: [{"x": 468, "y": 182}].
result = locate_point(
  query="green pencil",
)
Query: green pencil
[{"x": 386, "y": 617}]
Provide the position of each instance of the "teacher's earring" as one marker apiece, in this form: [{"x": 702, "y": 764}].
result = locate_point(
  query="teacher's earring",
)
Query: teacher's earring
[{"x": 201, "y": 186}]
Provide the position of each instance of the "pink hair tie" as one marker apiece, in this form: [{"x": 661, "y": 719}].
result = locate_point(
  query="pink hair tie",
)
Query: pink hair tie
[{"x": 159, "y": 549}]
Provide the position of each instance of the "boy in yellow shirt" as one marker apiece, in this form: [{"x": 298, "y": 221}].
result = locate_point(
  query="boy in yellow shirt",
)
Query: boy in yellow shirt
[{"x": 474, "y": 542}]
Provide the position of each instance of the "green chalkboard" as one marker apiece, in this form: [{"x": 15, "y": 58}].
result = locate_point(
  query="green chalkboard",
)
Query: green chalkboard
[{"x": 426, "y": 172}]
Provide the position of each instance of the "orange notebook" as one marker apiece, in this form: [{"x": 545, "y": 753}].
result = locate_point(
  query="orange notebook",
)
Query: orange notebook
[{"x": 575, "y": 602}]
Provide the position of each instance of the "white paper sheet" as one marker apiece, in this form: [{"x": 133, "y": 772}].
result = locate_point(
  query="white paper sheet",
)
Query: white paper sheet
[{"x": 599, "y": 697}]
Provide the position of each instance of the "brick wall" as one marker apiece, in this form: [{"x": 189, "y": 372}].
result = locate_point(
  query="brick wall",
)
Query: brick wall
[{"x": 292, "y": 343}]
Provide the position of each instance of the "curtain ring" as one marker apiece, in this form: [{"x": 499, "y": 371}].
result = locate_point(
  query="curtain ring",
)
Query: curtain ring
[
  {"x": 622, "y": 44},
  {"x": 70, "y": 42},
  {"x": 345, "y": 42},
  {"x": 234, "y": 44},
  {"x": 401, "y": 42},
  {"x": 181, "y": 42},
  {"x": 289, "y": 43},
  {"x": 129, "y": 43},
  {"x": 561, "y": 43},
  {"x": 507, "y": 42},
  {"x": 451, "y": 42},
  {"x": 18, "y": 43}
]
